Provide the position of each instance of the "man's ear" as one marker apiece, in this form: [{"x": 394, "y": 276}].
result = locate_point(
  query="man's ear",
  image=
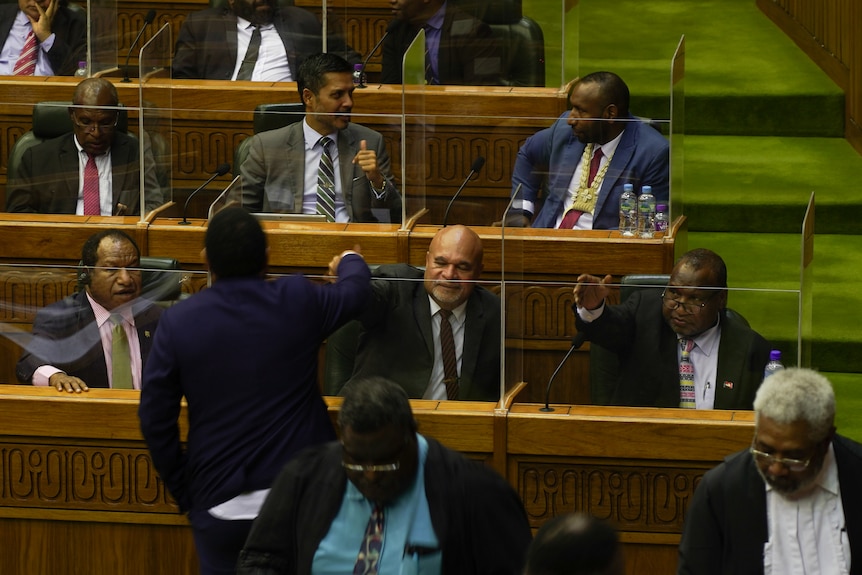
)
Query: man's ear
[{"x": 611, "y": 112}]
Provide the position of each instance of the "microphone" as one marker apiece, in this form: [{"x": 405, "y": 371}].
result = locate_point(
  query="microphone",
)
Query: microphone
[
  {"x": 477, "y": 165},
  {"x": 577, "y": 341},
  {"x": 220, "y": 171},
  {"x": 148, "y": 19},
  {"x": 370, "y": 54}
]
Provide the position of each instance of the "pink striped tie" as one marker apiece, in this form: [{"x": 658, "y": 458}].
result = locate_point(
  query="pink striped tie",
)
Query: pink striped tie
[
  {"x": 26, "y": 64},
  {"x": 91, "y": 188}
]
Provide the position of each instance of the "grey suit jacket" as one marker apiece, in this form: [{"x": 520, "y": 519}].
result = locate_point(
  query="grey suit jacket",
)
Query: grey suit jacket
[
  {"x": 70, "y": 37},
  {"x": 273, "y": 174},
  {"x": 396, "y": 339},
  {"x": 47, "y": 180}
]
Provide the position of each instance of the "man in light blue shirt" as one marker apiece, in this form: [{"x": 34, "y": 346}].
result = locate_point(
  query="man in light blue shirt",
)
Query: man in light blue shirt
[{"x": 410, "y": 506}]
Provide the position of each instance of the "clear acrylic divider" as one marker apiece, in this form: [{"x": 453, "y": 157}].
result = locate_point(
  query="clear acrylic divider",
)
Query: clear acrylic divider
[
  {"x": 415, "y": 130},
  {"x": 155, "y": 121},
  {"x": 102, "y": 44},
  {"x": 676, "y": 205}
]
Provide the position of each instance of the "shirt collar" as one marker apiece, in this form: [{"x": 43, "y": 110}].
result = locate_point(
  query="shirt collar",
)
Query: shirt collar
[
  {"x": 609, "y": 148},
  {"x": 312, "y": 136},
  {"x": 708, "y": 340},
  {"x": 458, "y": 313},
  {"x": 103, "y": 315},
  {"x": 436, "y": 21}
]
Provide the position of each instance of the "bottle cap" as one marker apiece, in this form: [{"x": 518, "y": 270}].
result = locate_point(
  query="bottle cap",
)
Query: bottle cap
[
  {"x": 82, "y": 64},
  {"x": 775, "y": 355},
  {"x": 357, "y": 67},
  {"x": 647, "y": 189},
  {"x": 661, "y": 207},
  {"x": 628, "y": 187}
]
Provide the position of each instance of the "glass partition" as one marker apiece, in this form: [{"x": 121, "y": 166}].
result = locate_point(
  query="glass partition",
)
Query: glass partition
[
  {"x": 676, "y": 205},
  {"x": 418, "y": 141},
  {"x": 154, "y": 120},
  {"x": 102, "y": 41},
  {"x": 29, "y": 290}
]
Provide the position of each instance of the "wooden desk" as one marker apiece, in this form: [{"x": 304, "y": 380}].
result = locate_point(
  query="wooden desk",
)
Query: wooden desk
[{"x": 78, "y": 492}]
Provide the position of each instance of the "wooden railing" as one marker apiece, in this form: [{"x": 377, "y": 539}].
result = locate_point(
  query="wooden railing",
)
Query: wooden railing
[{"x": 830, "y": 32}]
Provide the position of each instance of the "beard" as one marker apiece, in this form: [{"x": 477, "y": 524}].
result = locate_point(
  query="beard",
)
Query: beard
[{"x": 791, "y": 486}]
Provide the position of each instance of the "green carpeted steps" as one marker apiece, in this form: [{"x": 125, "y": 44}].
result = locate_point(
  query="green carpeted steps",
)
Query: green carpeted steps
[
  {"x": 759, "y": 262},
  {"x": 762, "y": 184}
]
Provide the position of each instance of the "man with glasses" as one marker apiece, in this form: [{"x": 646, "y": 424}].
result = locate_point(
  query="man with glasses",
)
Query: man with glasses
[
  {"x": 788, "y": 504},
  {"x": 386, "y": 499},
  {"x": 92, "y": 170},
  {"x": 679, "y": 347}
]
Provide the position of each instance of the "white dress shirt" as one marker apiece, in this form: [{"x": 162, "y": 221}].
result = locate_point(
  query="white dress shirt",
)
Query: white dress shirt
[
  {"x": 21, "y": 27},
  {"x": 272, "y": 64},
  {"x": 313, "y": 153},
  {"x": 103, "y": 164},
  {"x": 436, "y": 388}
]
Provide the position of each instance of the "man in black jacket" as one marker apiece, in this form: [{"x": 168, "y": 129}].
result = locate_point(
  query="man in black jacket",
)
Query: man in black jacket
[
  {"x": 389, "y": 497},
  {"x": 788, "y": 504}
]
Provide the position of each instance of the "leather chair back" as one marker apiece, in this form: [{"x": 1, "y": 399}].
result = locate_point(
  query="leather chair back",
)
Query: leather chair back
[{"x": 268, "y": 117}]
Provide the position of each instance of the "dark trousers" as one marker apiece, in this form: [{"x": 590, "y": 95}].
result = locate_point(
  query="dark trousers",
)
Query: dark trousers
[{"x": 218, "y": 542}]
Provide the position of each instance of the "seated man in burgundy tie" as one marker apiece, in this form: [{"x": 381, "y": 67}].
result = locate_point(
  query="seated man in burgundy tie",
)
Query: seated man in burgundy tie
[
  {"x": 92, "y": 170},
  {"x": 100, "y": 336},
  {"x": 663, "y": 338},
  {"x": 386, "y": 499},
  {"x": 581, "y": 163},
  {"x": 41, "y": 38}
]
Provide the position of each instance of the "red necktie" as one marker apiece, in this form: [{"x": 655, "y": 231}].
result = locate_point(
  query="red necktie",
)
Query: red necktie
[
  {"x": 26, "y": 64},
  {"x": 91, "y": 188},
  {"x": 572, "y": 216}
]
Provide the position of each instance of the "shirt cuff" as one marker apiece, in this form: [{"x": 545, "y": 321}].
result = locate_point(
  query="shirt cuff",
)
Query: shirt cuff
[
  {"x": 42, "y": 375},
  {"x": 590, "y": 315}
]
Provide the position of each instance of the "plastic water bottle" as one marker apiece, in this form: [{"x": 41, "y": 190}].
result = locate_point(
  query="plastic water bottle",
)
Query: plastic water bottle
[
  {"x": 646, "y": 213},
  {"x": 357, "y": 74},
  {"x": 628, "y": 211},
  {"x": 661, "y": 220},
  {"x": 774, "y": 363},
  {"x": 81, "y": 72}
]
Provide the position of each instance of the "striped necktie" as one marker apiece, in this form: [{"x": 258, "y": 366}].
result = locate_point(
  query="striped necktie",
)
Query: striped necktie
[
  {"x": 92, "y": 205},
  {"x": 326, "y": 182},
  {"x": 447, "y": 351},
  {"x": 26, "y": 64},
  {"x": 686, "y": 375}
]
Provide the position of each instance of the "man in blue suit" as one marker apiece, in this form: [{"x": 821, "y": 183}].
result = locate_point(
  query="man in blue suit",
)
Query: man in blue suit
[
  {"x": 583, "y": 160},
  {"x": 243, "y": 353}
]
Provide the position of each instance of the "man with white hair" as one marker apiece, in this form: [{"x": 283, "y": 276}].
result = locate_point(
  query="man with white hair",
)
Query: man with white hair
[{"x": 788, "y": 504}]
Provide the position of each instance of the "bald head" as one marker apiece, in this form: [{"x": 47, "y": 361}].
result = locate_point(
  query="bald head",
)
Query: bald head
[
  {"x": 95, "y": 92},
  {"x": 452, "y": 264}
]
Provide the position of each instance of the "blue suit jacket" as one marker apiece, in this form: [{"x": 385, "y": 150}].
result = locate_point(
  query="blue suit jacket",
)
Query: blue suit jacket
[
  {"x": 549, "y": 157},
  {"x": 65, "y": 336},
  {"x": 243, "y": 353}
]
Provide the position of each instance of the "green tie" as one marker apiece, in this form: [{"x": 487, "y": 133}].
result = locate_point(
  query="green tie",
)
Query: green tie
[{"x": 120, "y": 355}]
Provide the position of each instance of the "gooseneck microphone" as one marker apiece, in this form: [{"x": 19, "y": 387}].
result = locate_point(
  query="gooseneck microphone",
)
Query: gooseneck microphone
[
  {"x": 220, "y": 171},
  {"x": 577, "y": 341},
  {"x": 148, "y": 19},
  {"x": 474, "y": 169},
  {"x": 373, "y": 50}
]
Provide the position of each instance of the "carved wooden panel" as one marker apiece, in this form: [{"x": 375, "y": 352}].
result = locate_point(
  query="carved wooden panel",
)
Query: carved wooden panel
[
  {"x": 81, "y": 478},
  {"x": 637, "y": 496}
]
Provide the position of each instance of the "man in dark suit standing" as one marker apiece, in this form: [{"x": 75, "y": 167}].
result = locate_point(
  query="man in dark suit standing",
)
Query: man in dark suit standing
[
  {"x": 324, "y": 164},
  {"x": 649, "y": 330},
  {"x": 76, "y": 342},
  {"x": 93, "y": 170},
  {"x": 402, "y": 335},
  {"x": 251, "y": 40},
  {"x": 459, "y": 49},
  {"x": 788, "y": 504},
  {"x": 584, "y": 159},
  {"x": 243, "y": 353},
  {"x": 41, "y": 38}
]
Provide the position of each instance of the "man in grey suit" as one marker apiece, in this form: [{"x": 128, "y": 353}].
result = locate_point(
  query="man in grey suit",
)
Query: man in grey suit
[
  {"x": 402, "y": 326},
  {"x": 93, "y": 170},
  {"x": 284, "y": 170}
]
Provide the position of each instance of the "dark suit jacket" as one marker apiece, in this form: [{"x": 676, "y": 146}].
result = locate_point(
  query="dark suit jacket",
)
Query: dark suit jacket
[
  {"x": 70, "y": 37},
  {"x": 549, "y": 157},
  {"x": 647, "y": 350},
  {"x": 726, "y": 525},
  {"x": 65, "y": 335},
  {"x": 274, "y": 171},
  {"x": 244, "y": 354},
  {"x": 477, "y": 517},
  {"x": 207, "y": 43},
  {"x": 396, "y": 340},
  {"x": 47, "y": 181},
  {"x": 468, "y": 54}
]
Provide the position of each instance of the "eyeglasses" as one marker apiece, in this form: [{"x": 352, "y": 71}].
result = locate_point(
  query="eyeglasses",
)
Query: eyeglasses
[
  {"x": 692, "y": 306},
  {"x": 89, "y": 126},
  {"x": 361, "y": 468},
  {"x": 768, "y": 459}
]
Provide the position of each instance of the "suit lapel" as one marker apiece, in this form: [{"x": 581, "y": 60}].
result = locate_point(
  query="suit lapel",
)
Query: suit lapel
[
  {"x": 230, "y": 35},
  {"x": 347, "y": 147},
  {"x": 295, "y": 157},
  {"x": 69, "y": 164},
  {"x": 732, "y": 360},
  {"x": 559, "y": 187},
  {"x": 474, "y": 326},
  {"x": 286, "y": 34},
  {"x": 422, "y": 314},
  {"x": 8, "y": 12}
]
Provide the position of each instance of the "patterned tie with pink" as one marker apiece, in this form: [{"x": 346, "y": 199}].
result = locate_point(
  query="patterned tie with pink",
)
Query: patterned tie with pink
[
  {"x": 686, "y": 375},
  {"x": 26, "y": 64},
  {"x": 372, "y": 543}
]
